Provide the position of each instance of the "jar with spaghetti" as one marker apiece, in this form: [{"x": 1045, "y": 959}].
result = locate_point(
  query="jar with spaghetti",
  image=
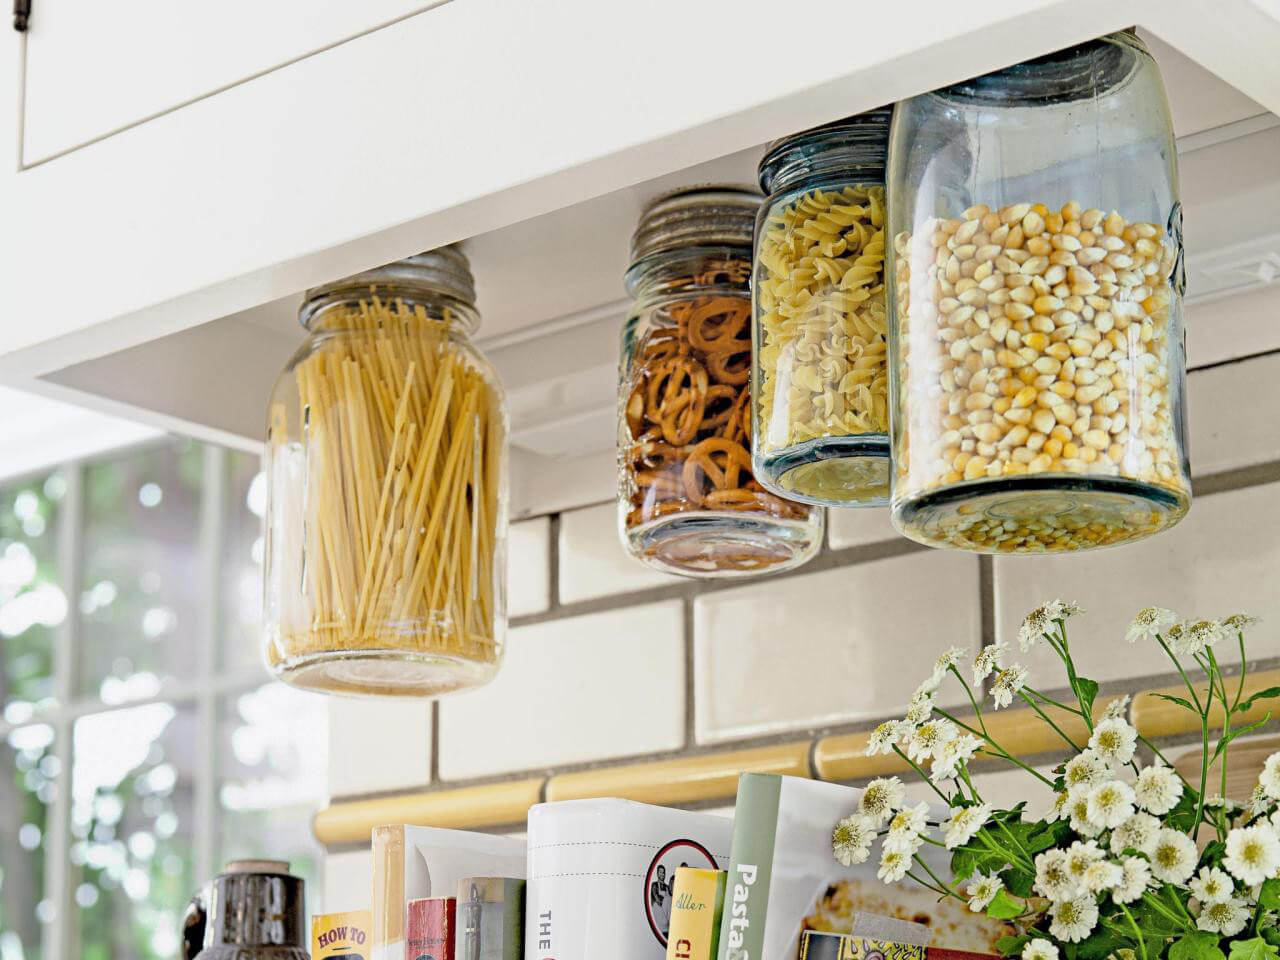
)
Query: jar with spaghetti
[
  {"x": 386, "y": 465},
  {"x": 821, "y": 384},
  {"x": 688, "y": 500},
  {"x": 1037, "y": 317}
]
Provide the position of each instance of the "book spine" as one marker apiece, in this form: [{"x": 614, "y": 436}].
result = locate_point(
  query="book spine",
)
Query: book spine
[
  {"x": 746, "y": 901},
  {"x": 428, "y": 928},
  {"x": 387, "y": 933},
  {"x": 490, "y": 919},
  {"x": 697, "y": 901}
]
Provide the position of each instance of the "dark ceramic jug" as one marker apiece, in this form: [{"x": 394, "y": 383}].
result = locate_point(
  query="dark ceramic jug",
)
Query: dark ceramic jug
[{"x": 253, "y": 910}]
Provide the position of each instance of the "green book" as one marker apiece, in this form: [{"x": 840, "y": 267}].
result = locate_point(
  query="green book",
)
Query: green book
[
  {"x": 697, "y": 898},
  {"x": 490, "y": 923}
]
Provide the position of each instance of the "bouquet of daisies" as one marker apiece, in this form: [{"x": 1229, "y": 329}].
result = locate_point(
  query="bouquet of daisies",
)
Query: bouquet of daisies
[{"x": 1132, "y": 862}]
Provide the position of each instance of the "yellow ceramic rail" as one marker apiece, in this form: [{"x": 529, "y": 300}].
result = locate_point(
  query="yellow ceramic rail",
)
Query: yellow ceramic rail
[{"x": 712, "y": 776}]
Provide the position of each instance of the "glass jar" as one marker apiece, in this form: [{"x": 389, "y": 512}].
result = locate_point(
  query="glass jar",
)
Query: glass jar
[
  {"x": 688, "y": 502},
  {"x": 387, "y": 489},
  {"x": 1038, "y": 352},
  {"x": 820, "y": 386}
]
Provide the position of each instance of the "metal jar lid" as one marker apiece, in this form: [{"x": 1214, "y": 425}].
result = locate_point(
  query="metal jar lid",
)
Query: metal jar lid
[
  {"x": 697, "y": 216},
  {"x": 443, "y": 271}
]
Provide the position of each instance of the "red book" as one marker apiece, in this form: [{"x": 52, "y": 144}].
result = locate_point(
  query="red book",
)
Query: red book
[{"x": 428, "y": 928}]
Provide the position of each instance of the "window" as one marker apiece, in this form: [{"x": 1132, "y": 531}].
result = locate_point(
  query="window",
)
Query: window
[{"x": 141, "y": 743}]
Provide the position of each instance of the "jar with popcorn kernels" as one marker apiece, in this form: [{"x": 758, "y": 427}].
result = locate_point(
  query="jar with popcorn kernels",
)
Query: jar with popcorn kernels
[{"x": 1038, "y": 351}]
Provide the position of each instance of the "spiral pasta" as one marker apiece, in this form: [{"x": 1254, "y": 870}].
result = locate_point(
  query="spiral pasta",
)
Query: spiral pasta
[{"x": 821, "y": 308}]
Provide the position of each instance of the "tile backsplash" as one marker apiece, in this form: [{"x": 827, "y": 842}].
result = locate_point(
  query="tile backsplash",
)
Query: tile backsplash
[{"x": 610, "y": 662}]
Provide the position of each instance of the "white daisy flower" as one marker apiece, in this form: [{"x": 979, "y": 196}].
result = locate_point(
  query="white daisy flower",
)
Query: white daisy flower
[
  {"x": 1033, "y": 628},
  {"x": 965, "y": 822},
  {"x": 1269, "y": 779},
  {"x": 1136, "y": 876},
  {"x": 1056, "y": 610},
  {"x": 886, "y": 736},
  {"x": 1253, "y": 854},
  {"x": 1226, "y": 917},
  {"x": 851, "y": 839},
  {"x": 1053, "y": 878},
  {"x": 1181, "y": 641},
  {"x": 1174, "y": 858},
  {"x": 1117, "y": 708},
  {"x": 920, "y": 709},
  {"x": 1212, "y": 885},
  {"x": 950, "y": 657},
  {"x": 1039, "y": 949},
  {"x": 953, "y": 754},
  {"x": 1259, "y": 800},
  {"x": 1078, "y": 814},
  {"x": 1137, "y": 833},
  {"x": 929, "y": 738},
  {"x": 1103, "y": 875},
  {"x": 1157, "y": 789},
  {"x": 928, "y": 686},
  {"x": 894, "y": 865},
  {"x": 1082, "y": 855},
  {"x": 1114, "y": 741},
  {"x": 1059, "y": 809},
  {"x": 909, "y": 822},
  {"x": 1110, "y": 804},
  {"x": 880, "y": 798},
  {"x": 1150, "y": 623},
  {"x": 1073, "y": 919},
  {"x": 1204, "y": 633},
  {"x": 982, "y": 891},
  {"x": 989, "y": 658},
  {"x": 1007, "y": 683},
  {"x": 1240, "y": 622},
  {"x": 1085, "y": 771}
]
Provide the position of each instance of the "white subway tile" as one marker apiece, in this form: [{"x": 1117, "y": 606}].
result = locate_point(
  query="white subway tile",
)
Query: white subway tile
[
  {"x": 847, "y": 527},
  {"x": 529, "y": 567},
  {"x": 600, "y": 685},
  {"x": 1232, "y": 415},
  {"x": 1224, "y": 557},
  {"x": 348, "y": 881},
  {"x": 377, "y": 745},
  {"x": 593, "y": 562},
  {"x": 832, "y": 647}
]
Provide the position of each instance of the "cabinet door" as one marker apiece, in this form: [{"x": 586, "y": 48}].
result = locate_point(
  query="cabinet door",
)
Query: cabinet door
[{"x": 95, "y": 67}]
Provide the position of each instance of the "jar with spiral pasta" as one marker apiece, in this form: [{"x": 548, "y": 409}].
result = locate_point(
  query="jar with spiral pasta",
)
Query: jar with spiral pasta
[
  {"x": 1039, "y": 357},
  {"x": 821, "y": 384},
  {"x": 688, "y": 501},
  {"x": 386, "y": 464}
]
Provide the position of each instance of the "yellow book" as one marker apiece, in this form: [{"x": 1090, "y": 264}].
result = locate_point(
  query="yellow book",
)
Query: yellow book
[
  {"x": 697, "y": 898},
  {"x": 340, "y": 936}
]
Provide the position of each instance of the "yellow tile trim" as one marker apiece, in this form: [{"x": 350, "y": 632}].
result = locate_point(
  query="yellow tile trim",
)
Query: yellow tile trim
[
  {"x": 491, "y": 804},
  {"x": 701, "y": 777},
  {"x": 1022, "y": 732},
  {"x": 1159, "y": 718}
]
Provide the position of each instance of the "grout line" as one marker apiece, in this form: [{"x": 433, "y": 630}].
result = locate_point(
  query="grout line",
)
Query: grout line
[
  {"x": 1231, "y": 361},
  {"x": 987, "y": 597},
  {"x": 1241, "y": 478},
  {"x": 553, "y": 561}
]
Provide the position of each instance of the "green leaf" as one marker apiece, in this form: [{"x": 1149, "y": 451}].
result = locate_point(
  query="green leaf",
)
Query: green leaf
[
  {"x": 1200, "y": 945},
  {"x": 1012, "y": 946},
  {"x": 963, "y": 862},
  {"x": 1222, "y": 744},
  {"x": 1101, "y": 944},
  {"x": 1004, "y": 907},
  {"x": 1019, "y": 881},
  {"x": 1269, "y": 895},
  {"x": 1180, "y": 701},
  {"x": 1268, "y": 694},
  {"x": 1087, "y": 691},
  {"x": 1254, "y": 949},
  {"x": 1181, "y": 816}
]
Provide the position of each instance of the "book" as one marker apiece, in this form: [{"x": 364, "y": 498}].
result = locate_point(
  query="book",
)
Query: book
[
  {"x": 783, "y": 879},
  {"x": 490, "y": 919},
  {"x": 428, "y": 928},
  {"x": 340, "y": 936},
  {"x": 815, "y": 945},
  {"x": 412, "y": 862},
  {"x": 601, "y": 873},
  {"x": 696, "y": 901}
]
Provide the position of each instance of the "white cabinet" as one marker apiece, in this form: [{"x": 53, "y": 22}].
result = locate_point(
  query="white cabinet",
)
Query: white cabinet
[{"x": 95, "y": 67}]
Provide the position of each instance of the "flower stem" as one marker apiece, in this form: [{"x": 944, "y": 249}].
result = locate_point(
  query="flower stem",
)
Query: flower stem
[
  {"x": 923, "y": 776},
  {"x": 918, "y": 859},
  {"x": 1045, "y": 717},
  {"x": 941, "y": 890},
  {"x": 1142, "y": 946},
  {"x": 1195, "y": 697},
  {"x": 977, "y": 710},
  {"x": 1000, "y": 751}
]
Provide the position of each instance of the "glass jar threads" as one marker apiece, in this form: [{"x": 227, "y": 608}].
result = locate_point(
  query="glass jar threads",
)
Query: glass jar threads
[
  {"x": 387, "y": 489},
  {"x": 821, "y": 385},
  {"x": 1039, "y": 358},
  {"x": 688, "y": 502}
]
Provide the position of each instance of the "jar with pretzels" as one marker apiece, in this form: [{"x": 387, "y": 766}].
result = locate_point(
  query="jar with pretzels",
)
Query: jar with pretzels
[
  {"x": 688, "y": 500},
  {"x": 821, "y": 379}
]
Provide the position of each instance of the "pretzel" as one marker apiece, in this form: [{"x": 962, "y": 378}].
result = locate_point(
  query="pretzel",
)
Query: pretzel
[
  {"x": 676, "y": 398},
  {"x": 704, "y": 462},
  {"x": 730, "y": 368},
  {"x": 718, "y": 326}
]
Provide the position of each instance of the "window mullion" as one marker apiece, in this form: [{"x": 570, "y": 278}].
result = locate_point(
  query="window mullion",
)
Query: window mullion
[
  {"x": 61, "y": 935},
  {"x": 213, "y": 509}
]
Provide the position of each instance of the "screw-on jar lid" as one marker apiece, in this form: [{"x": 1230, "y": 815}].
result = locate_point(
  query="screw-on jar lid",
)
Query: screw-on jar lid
[
  {"x": 858, "y": 144},
  {"x": 697, "y": 216},
  {"x": 443, "y": 271}
]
